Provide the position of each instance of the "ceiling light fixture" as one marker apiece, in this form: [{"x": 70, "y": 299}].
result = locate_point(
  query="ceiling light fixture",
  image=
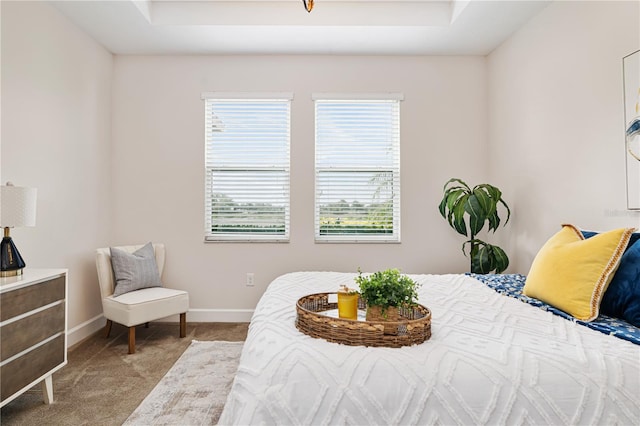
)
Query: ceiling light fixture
[{"x": 308, "y": 5}]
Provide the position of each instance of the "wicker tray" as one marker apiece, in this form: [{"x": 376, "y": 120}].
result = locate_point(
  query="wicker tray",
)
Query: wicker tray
[{"x": 312, "y": 319}]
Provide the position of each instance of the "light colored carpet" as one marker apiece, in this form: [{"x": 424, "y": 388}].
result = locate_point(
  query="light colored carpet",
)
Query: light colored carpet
[{"x": 194, "y": 390}]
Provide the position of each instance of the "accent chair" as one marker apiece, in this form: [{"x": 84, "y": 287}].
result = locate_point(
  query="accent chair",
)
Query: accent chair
[{"x": 139, "y": 306}]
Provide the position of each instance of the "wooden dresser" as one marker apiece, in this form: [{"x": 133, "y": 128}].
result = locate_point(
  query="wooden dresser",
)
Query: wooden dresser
[{"x": 33, "y": 331}]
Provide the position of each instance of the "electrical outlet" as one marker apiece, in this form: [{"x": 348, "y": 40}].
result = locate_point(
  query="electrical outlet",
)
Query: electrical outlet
[{"x": 250, "y": 278}]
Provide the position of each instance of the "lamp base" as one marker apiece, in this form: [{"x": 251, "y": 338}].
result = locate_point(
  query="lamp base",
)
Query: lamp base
[
  {"x": 13, "y": 273},
  {"x": 11, "y": 263}
]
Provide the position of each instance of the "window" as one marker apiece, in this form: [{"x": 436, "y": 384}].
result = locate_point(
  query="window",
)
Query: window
[
  {"x": 247, "y": 167},
  {"x": 357, "y": 168}
]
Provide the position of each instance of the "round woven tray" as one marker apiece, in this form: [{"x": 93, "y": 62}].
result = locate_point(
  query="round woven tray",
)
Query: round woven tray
[{"x": 414, "y": 326}]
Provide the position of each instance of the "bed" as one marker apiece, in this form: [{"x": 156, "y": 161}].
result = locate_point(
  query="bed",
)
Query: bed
[{"x": 491, "y": 360}]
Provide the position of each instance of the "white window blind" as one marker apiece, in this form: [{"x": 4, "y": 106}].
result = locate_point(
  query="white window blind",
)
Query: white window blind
[
  {"x": 357, "y": 170},
  {"x": 247, "y": 168}
]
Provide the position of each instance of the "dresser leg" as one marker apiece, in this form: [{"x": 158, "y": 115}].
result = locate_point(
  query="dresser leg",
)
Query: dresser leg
[{"x": 47, "y": 389}]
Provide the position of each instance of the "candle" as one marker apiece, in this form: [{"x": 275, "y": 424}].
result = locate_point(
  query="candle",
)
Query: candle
[{"x": 347, "y": 303}]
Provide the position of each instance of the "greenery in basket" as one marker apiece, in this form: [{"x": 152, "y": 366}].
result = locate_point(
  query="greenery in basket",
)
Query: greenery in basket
[
  {"x": 476, "y": 206},
  {"x": 387, "y": 288}
]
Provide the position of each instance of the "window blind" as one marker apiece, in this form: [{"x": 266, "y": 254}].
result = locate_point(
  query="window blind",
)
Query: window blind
[
  {"x": 247, "y": 169},
  {"x": 357, "y": 170}
]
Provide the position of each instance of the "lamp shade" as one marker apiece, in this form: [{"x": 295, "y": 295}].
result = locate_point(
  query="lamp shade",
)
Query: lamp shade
[{"x": 17, "y": 206}]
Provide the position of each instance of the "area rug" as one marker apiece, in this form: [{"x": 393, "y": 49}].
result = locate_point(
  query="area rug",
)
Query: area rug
[{"x": 194, "y": 390}]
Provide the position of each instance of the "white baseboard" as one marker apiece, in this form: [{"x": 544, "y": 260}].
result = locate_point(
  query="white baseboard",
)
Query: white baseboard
[
  {"x": 84, "y": 330},
  {"x": 87, "y": 328}
]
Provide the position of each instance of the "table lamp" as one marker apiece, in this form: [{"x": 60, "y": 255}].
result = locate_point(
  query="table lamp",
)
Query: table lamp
[{"x": 17, "y": 208}]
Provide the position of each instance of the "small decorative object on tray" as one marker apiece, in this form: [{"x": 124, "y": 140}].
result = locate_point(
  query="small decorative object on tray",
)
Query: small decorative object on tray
[
  {"x": 402, "y": 322},
  {"x": 347, "y": 303},
  {"x": 384, "y": 292}
]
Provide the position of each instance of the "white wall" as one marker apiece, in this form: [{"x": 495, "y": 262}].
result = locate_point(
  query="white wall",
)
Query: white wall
[
  {"x": 56, "y": 132},
  {"x": 556, "y": 121},
  {"x": 158, "y": 165}
]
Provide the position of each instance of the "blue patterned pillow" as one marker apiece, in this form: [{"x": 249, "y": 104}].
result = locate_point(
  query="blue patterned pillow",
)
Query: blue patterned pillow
[{"x": 622, "y": 298}]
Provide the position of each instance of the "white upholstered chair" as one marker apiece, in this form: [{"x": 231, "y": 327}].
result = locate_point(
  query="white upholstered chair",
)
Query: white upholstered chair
[{"x": 139, "y": 306}]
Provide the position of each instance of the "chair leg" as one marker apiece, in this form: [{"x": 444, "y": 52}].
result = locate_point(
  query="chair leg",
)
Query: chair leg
[
  {"x": 107, "y": 328},
  {"x": 132, "y": 340},
  {"x": 183, "y": 324}
]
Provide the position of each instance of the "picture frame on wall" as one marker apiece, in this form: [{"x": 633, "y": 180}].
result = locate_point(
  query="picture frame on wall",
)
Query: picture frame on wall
[{"x": 631, "y": 73}]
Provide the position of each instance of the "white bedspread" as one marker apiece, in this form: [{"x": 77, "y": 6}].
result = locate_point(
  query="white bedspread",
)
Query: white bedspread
[{"x": 491, "y": 360}]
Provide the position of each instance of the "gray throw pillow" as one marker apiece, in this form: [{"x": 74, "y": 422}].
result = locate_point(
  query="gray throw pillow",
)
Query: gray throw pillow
[{"x": 134, "y": 271}]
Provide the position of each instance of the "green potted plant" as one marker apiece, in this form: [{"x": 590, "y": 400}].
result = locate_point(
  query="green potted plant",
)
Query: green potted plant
[
  {"x": 386, "y": 291},
  {"x": 467, "y": 210}
]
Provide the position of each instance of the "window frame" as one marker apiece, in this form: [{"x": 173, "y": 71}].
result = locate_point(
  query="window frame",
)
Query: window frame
[
  {"x": 394, "y": 169},
  {"x": 210, "y": 169}
]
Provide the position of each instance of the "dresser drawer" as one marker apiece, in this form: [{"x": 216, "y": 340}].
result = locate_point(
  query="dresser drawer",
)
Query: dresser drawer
[
  {"x": 26, "y": 299},
  {"x": 19, "y": 335},
  {"x": 31, "y": 366}
]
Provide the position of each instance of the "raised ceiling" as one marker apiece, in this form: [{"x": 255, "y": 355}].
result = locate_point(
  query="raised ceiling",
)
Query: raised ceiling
[{"x": 356, "y": 27}]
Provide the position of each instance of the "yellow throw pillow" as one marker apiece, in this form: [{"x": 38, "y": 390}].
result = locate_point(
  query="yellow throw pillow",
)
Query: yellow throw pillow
[{"x": 572, "y": 273}]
